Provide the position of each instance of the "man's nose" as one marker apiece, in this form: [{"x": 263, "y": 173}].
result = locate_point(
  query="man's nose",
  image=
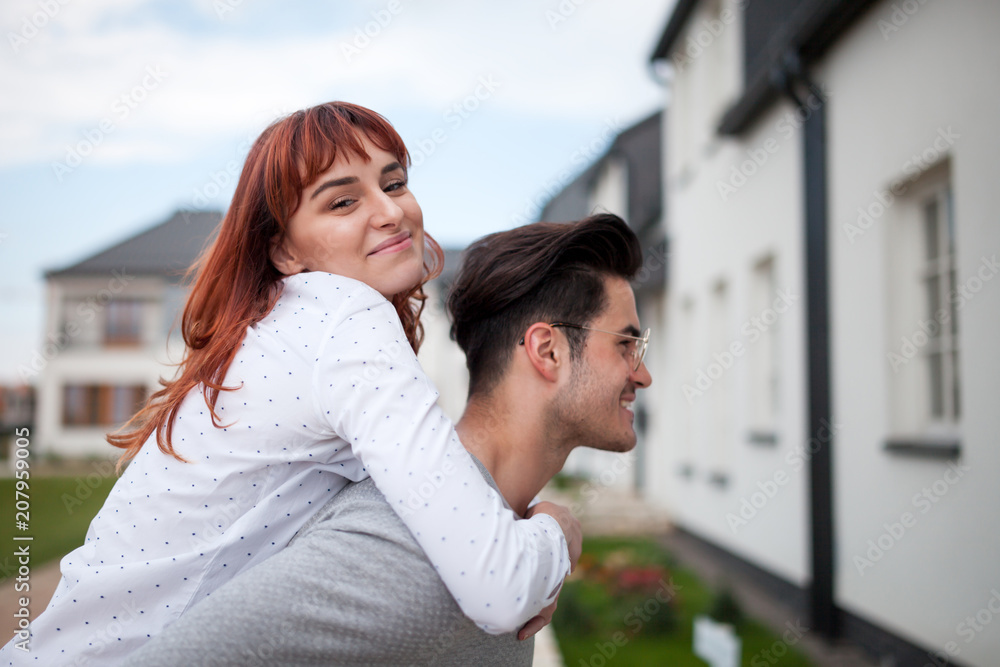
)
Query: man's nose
[{"x": 641, "y": 377}]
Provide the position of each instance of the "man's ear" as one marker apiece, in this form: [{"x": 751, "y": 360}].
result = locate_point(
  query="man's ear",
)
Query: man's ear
[
  {"x": 544, "y": 353},
  {"x": 283, "y": 258}
]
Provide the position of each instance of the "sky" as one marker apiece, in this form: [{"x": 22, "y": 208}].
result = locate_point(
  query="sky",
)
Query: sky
[{"x": 116, "y": 113}]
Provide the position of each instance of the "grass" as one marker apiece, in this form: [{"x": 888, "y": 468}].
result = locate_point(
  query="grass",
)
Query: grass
[
  {"x": 60, "y": 510},
  {"x": 629, "y": 603}
]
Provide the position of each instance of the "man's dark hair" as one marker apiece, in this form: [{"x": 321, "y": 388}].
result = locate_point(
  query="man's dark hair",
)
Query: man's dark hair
[{"x": 543, "y": 272}]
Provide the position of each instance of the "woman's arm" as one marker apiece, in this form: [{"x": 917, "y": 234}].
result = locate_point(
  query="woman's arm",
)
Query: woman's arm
[{"x": 373, "y": 393}]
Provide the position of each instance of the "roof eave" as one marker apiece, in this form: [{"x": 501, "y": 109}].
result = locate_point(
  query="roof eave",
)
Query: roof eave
[
  {"x": 812, "y": 32},
  {"x": 675, "y": 26}
]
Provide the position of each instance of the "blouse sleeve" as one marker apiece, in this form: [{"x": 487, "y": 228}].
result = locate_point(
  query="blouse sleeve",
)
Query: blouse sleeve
[{"x": 372, "y": 392}]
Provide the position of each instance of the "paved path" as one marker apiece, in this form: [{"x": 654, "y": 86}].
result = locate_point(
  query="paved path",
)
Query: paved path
[{"x": 547, "y": 649}]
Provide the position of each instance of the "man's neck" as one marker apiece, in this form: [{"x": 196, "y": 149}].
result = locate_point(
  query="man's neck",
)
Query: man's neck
[{"x": 514, "y": 445}]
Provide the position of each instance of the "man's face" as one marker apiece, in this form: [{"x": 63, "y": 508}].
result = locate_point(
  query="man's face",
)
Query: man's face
[{"x": 596, "y": 403}]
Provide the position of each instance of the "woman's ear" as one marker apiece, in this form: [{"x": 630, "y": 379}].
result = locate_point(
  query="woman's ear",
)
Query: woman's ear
[{"x": 283, "y": 258}]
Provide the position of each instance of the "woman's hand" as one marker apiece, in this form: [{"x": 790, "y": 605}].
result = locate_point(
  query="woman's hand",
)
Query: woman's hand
[{"x": 570, "y": 528}]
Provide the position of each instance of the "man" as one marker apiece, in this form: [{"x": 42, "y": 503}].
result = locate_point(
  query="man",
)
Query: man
[{"x": 548, "y": 323}]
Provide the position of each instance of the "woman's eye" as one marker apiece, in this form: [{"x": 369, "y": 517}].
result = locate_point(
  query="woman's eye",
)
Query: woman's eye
[
  {"x": 395, "y": 185},
  {"x": 343, "y": 202}
]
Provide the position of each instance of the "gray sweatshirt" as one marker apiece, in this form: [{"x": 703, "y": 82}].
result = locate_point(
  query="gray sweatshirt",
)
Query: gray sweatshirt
[{"x": 352, "y": 588}]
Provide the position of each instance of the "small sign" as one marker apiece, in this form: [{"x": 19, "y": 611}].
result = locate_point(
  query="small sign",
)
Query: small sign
[{"x": 716, "y": 643}]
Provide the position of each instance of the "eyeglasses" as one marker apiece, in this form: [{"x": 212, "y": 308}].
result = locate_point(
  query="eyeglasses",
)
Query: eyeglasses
[{"x": 638, "y": 352}]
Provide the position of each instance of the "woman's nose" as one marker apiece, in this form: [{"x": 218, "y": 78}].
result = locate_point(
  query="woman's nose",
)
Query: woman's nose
[{"x": 387, "y": 212}]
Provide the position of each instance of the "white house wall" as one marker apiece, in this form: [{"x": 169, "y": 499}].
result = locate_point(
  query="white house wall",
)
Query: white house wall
[
  {"x": 893, "y": 93},
  {"x": 717, "y": 237},
  {"x": 441, "y": 358}
]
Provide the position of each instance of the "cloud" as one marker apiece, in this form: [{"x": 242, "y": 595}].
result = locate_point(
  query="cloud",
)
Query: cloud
[{"x": 223, "y": 77}]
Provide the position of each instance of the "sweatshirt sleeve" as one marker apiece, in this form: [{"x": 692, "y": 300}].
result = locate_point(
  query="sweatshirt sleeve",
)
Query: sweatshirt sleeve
[{"x": 372, "y": 392}]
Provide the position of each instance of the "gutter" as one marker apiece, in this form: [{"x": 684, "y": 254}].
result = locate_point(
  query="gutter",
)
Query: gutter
[{"x": 792, "y": 80}]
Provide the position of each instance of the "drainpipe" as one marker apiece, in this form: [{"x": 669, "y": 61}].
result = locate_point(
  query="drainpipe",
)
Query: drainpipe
[{"x": 791, "y": 78}]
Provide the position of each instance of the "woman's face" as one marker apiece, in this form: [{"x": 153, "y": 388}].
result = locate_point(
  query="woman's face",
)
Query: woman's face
[{"x": 359, "y": 220}]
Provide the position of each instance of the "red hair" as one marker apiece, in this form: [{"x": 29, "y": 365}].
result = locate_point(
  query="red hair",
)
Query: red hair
[{"x": 236, "y": 284}]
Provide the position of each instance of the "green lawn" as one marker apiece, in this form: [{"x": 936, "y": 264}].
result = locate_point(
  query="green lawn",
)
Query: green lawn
[
  {"x": 60, "y": 510},
  {"x": 630, "y": 604}
]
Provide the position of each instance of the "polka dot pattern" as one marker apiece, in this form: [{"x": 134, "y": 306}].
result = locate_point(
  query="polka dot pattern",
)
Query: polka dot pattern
[{"x": 329, "y": 391}]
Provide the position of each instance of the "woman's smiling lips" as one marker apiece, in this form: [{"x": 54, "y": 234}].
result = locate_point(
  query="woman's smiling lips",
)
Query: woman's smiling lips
[{"x": 400, "y": 241}]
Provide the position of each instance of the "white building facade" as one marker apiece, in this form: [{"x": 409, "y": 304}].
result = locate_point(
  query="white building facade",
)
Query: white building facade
[{"x": 906, "y": 94}]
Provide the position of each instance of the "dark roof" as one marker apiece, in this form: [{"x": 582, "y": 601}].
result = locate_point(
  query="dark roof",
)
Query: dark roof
[
  {"x": 771, "y": 30},
  {"x": 167, "y": 249},
  {"x": 640, "y": 147}
]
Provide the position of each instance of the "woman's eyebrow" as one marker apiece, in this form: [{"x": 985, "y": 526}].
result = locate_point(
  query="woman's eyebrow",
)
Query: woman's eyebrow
[{"x": 348, "y": 180}]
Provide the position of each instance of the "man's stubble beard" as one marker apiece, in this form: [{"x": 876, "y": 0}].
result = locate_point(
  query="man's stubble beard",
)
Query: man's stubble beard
[{"x": 571, "y": 420}]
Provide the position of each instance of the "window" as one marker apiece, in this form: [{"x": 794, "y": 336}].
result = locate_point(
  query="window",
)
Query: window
[
  {"x": 124, "y": 322},
  {"x": 938, "y": 276},
  {"x": 685, "y": 355},
  {"x": 719, "y": 368},
  {"x": 101, "y": 405},
  {"x": 924, "y": 347},
  {"x": 760, "y": 337}
]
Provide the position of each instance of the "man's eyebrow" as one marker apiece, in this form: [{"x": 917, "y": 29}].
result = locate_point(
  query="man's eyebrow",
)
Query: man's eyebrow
[
  {"x": 630, "y": 330},
  {"x": 348, "y": 180}
]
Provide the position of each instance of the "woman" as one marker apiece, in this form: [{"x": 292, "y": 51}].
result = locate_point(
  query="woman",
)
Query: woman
[{"x": 300, "y": 375}]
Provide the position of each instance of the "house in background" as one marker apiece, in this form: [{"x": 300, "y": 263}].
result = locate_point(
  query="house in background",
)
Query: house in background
[
  {"x": 108, "y": 319},
  {"x": 832, "y": 309},
  {"x": 626, "y": 181}
]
